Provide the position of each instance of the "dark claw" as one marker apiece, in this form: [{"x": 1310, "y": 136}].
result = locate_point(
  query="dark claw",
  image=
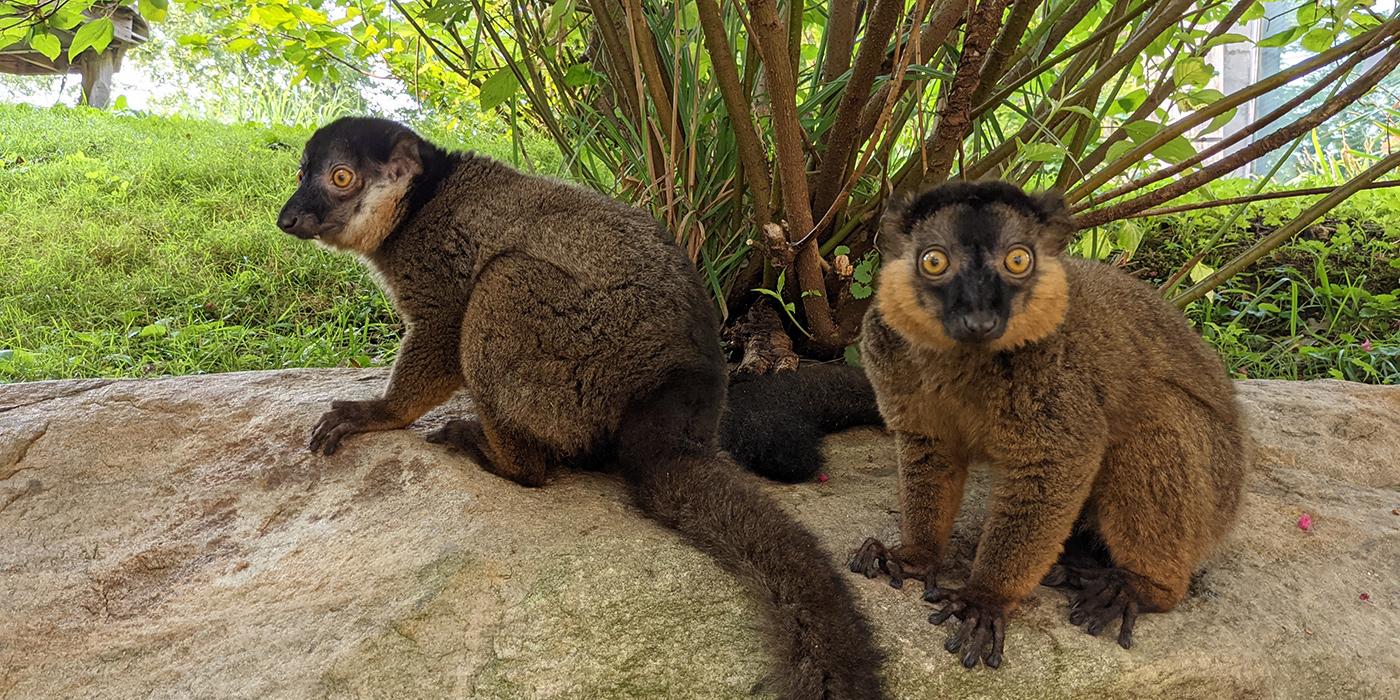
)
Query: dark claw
[
  {"x": 1107, "y": 595},
  {"x": 1125, "y": 631},
  {"x": 982, "y": 633},
  {"x": 870, "y": 558}
]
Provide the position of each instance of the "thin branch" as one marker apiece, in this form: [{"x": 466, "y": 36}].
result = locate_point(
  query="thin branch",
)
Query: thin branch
[
  {"x": 1249, "y": 130},
  {"x": 736, "y": 103},
  {"x": 954, "y": 111},
  {"x": 841, "y": 137},
  {"x": 1249, "y": 153},
  {"x": 1261, "y": 197},
  {"x": 1200, "y": 116},
  {"x": 1292, "y": 228},
  {"x": 787, "y": 131}
]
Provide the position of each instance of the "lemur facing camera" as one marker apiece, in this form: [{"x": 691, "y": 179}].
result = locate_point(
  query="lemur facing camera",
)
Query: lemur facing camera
[
  {"x": 583, "y": 336},
  {"x": 1102, "y": 414}
]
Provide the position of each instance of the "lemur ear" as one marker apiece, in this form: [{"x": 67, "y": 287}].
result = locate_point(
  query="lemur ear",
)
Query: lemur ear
[
  {"x": 893, "y": 236},
  {"x": 1059, "y": 225},
  {"x": 406, "y": 159}
]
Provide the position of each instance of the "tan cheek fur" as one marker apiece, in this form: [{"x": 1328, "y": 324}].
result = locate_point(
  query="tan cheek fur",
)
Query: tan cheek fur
[
  {"x": 376, "y": 218},
  {"x": 1043, "y": 310},
  {"x": 899, "y": 305}
]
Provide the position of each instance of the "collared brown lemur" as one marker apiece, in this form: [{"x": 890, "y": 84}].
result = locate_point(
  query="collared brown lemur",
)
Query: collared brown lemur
[
  {"x": 1111, "y": 427},
  {"x": 583, "y": 336}
]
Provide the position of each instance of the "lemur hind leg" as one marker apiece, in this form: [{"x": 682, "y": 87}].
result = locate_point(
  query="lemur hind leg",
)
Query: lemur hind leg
[{"x": 498, "y": 450}]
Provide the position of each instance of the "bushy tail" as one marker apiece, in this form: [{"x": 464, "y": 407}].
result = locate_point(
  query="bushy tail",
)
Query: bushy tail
[
  {"x": 823, "y": 646},
  {"x": 774, "y": 423},
  {"x": 665, "y": 446}
]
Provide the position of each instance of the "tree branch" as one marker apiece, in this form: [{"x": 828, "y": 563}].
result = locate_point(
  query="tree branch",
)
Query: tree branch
[
  {"x": 772, "y": 40},
  {"x": 1292, "y": 228},
  {"x": 1249, "y": 153},
  {"x": 954, "y": 109},
  {"x": 736, "y": 103},
  {"x": 1234, "y": 99},
  {"x": 841, "y": 137}
]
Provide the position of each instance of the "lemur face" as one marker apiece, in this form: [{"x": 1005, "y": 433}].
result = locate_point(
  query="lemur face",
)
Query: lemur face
[
  {"x": 354, "y": 175},
  {"x": 972, "y": 258}
]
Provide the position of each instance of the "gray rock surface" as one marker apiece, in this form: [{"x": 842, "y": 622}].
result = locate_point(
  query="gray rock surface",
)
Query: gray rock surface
[{"x": 173, "y": 538}]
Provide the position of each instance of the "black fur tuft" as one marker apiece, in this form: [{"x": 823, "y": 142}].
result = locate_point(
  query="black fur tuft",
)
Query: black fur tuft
[
  {"x": 975, "y": 195},
  {"x": 775, "y": 422}
]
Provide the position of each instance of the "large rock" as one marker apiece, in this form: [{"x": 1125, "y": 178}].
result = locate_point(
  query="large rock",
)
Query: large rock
[{"x": 173, "y": 538}]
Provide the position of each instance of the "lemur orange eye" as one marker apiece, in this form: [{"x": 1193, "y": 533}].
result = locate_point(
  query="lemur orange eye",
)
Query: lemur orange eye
[
  {"x": 1019, "y": 261},
  {"x": 300, "y": 174},
  {"x": 933, "y": 262},
  {"x": 342, "y": 177}
]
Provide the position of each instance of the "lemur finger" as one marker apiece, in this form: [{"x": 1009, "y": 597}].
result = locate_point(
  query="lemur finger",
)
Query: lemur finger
[
  {"x": 972, "y": 650},
  {"x": 948, "y": 611},
  {"x": 1125, "y": 631},
  {"x": 993, "y": 658}
]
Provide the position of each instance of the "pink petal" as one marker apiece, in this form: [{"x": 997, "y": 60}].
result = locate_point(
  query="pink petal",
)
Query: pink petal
[
  {"x": 822, "y": 478},
  {"x": 1305, "y": 522},
  {"x": 1365, "y": 597}
]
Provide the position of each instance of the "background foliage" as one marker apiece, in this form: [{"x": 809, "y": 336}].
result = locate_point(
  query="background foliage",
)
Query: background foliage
[
  {"x": 770, "y": 134},
  {"x": 146, "y": 246}
]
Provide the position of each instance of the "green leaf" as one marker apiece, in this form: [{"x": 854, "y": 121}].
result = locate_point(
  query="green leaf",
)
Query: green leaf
[
  {"x": 153, "y": 10},
  {"x": 1118, "y": 149},
  {"x": 239, "y": 45},
  {"x": 1141, "y": 130},
  {"x": 1255, "y": 11},
  {"x": 580, "y": 74},
  {"x": 498, "y": 88},
  {"x": 46, "y": 44},
  {"x": 1280, "y": 39},
  {"x": 1192, "y": 71},
  {"x": 120, "y": 103},
  {"x": 1223, "y": 39},
  {"x": 1318, "y": 40},
  {"x": 271, "y": 16},
  {"x": 852, "y": 355},
  {"x": 1175, "y": 150},
  {"x": 1221, "y": 120},
  {"x": 154, "y": 330},
  {"x": 562, "y": 10},
  {"x": 96, "y": 35},
  {"x": 1042, "y": 152}
]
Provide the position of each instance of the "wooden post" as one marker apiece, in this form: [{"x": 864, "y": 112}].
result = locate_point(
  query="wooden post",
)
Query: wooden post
[{"x": 97, "y": 71}]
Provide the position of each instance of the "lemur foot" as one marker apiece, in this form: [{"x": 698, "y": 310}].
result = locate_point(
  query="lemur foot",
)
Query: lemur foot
[
  {"x": 347, "y": 418},
  {"x": 983, "y": 629},
  {"x": 898, "y": 562},
  {"x": 465, "y": 435},
  {"x": 1100, "y": 596}
]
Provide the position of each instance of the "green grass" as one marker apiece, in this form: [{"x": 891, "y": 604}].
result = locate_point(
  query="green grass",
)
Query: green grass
[{"x": 137, "y": 246}]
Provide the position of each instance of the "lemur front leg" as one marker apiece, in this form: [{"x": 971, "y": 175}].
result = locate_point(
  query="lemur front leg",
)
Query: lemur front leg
[
  {"x": 1032, "y": 510},
  {"x": 426, "y": 373},
  {"x": 930, "y": 491}
]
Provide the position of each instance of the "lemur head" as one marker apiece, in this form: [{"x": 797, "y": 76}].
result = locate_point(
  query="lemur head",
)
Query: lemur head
[
  {"x": 359, "y": 179},
  {"x": 975, "y": 264}
]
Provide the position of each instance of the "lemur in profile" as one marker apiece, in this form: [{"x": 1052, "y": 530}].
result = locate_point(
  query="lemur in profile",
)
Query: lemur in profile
[
  {"x": 583, "y": 336},
  {"x": 1102, "y": 414}
]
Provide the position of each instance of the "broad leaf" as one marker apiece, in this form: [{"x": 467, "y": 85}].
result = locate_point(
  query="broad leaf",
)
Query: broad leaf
[
  {"x": 96, "y": 35},
  {"x": 498, "y": 88},
  {"x": 46, "y": 44}
]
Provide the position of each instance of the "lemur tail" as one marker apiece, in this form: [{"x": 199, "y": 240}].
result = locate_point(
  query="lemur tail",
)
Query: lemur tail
[
  {"x": 775, "y": 422},
  {"x": 823, "y": 646}
]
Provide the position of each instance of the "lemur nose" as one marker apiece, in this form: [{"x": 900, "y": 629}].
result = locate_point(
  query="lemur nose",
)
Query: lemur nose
[
  {"x": 287, "y": 222},
  {"x": 981, "y": 324}
]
